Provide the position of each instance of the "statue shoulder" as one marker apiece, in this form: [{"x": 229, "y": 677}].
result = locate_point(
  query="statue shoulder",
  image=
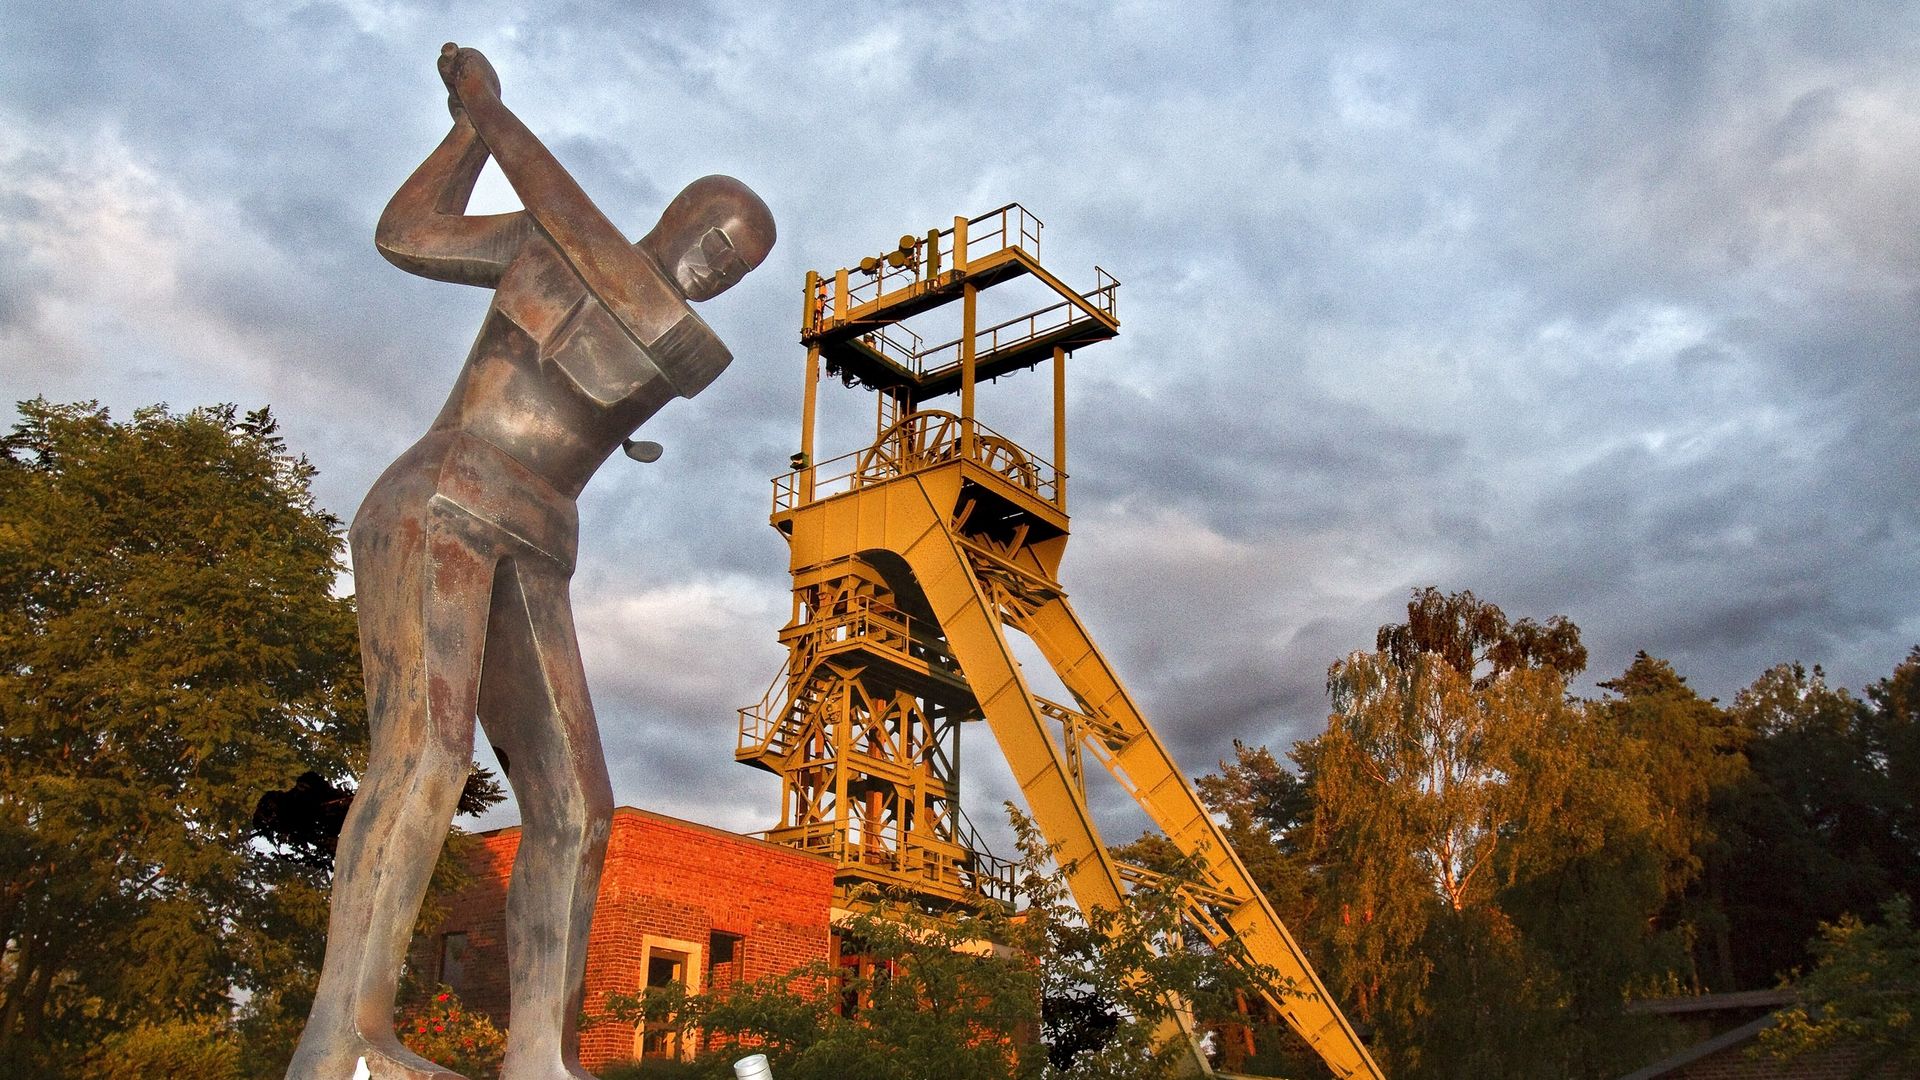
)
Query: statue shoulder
[
  {"x": 607, "y": 358},
  {"x": 600, "y": 357}
]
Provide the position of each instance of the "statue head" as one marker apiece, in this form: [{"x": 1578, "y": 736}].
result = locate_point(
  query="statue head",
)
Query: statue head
[{"x": 710, "y": 235}]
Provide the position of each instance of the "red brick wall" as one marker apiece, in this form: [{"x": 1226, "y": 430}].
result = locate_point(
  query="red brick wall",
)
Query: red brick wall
[{"x": 664, "y": 877}]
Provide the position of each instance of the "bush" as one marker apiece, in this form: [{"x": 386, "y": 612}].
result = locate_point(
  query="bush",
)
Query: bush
[
  {"x": 932, "y": 1004},
  {"x": 444, "y": 1031},
  {"x": 203, "y": 1048}
]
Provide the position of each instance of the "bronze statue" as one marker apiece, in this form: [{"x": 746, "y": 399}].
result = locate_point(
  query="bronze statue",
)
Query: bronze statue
[{"x": 462, "y": 554}]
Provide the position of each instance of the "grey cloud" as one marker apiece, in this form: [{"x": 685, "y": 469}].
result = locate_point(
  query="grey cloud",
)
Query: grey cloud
[
  {"x": 1605, "y": 311},
  {"x": 1252, "y": 463}
]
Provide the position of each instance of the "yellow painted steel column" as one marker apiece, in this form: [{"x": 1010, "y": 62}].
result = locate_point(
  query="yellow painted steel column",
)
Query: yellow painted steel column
[
  {"x": 1059, "y": 427},
  {"x": 1143, "y": 765},
  {"x": 969, "y": 304},
  {"x": 912, "y": 525},
  {"x": 960, "y": 244},
  {"x": 842, "y": 750},
  {"x": 807, "y": 414}
]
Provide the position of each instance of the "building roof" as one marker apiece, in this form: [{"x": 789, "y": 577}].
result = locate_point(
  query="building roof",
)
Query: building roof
[
  {"x": 711, "y": 830},
  {"x": 1704, "y": 1048}
]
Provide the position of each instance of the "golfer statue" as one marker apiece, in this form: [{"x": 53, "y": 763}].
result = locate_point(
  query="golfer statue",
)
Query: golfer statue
[{"x": 462, "y": 554}]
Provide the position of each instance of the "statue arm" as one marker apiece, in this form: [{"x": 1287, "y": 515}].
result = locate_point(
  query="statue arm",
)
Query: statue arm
[
  {"x": 639, "y": 295},
  {"x": 425, "y": 230}
]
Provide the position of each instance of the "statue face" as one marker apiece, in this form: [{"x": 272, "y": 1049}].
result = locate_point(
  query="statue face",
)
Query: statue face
[
  {"x": 710, "y": 235},
  {"x": 710, "y": 267}
]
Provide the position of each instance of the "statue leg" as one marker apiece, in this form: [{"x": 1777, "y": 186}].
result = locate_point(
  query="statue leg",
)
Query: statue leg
[
  {"x": 534, "y": 707},
  {"x": 423, "y": 593}
]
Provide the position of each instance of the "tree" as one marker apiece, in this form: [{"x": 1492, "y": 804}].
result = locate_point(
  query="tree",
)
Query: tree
[
  {"x": 1466, "y": 816},
  {"x": 1693, "y": 749},
  {"x": 1419, "y": 783},
  {"x": 203, "y": 1048},
  {"x": 1891, "y": 731},
  {"x": 1693, "y": 752},
  {"x": 1865, "y": 988},
  {"x": 1475, "y": 638},
  {"x": 170, "y": 649},
  {"x": 975, "y": 996},
  {"x": 1268, "y": 810},
  {"x": 1822, "y": 826}
]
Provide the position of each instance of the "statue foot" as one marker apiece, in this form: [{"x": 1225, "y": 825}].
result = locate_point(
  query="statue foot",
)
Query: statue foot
[
  {"x": 362, "y": 1059},
  {"x": 410, "y": 1067},
  {"x": 547, "y": 1072}
]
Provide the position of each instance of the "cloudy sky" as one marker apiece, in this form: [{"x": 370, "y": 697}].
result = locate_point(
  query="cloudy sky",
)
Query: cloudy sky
[{"x": 1597, "y": 310}]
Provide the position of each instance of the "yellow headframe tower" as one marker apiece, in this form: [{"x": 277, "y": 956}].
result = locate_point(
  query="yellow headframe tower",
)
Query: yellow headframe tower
[{"x": 911, "y": 560}]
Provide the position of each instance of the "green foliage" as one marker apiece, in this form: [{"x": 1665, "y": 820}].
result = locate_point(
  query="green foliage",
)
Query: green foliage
[
  {"x": 1268, "y": 813},
  {"x": 173, "y": 662},
  {"x": 666, "y": 1069},
  {"x": 1865, "y": 988},
  {"x": 1487, "y": 870},
  {"x": 170, "y": 650},
  {"x": 1045, "y": 994},
  {"x": 1891, "y": 732},
  {"x": 444, "y": 1031},
  {"x": 1481, "y": 869},
  {"x": 200, "y": 1047},
  {"x": 1692, "y": 749},
  {"x": 1819, "y": 829},
  {"x": 929, "y": 1009},
  {"x": 1110, "y": 982},
  {"x": 1691, "y": 753}
]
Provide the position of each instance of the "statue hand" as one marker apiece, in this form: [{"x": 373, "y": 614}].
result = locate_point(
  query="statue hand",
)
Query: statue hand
[{"x": 466, "y": 72}]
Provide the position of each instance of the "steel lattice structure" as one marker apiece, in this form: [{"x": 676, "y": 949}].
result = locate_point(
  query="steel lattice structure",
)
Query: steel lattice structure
[{"x": 912, "y": 558}]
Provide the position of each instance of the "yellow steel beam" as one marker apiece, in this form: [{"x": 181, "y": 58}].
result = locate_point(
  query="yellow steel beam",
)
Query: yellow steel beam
[
  {"x": 808, "y": 411},
  {"x": 1162, "y": 791},
  {"x": 1060, "y": 426},
  {"x": 904, "y": 518}
]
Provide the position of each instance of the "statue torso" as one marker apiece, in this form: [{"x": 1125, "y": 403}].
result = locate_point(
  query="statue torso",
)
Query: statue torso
[{"x": 557, "y": 383}]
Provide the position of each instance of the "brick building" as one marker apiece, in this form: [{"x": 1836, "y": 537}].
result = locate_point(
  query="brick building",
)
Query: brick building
[{"x": 679, "y": 901}]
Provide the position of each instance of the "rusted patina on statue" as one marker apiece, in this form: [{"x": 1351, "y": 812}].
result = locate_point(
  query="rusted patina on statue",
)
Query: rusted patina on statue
[{"x": 464, "y": 548}]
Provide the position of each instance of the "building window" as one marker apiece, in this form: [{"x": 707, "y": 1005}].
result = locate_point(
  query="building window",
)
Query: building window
[
  {"x": 665, "y": 968},
  {"x": 453, "y": 961},
  {"x": 664, "y": 962},
  {"x": 726, "y": 960},
  {"x": 857, "y": 969}
]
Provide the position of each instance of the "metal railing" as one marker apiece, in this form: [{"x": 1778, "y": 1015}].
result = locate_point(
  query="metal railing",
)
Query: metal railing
[
  {"x": 859, "y": 619},
  {"x": 1009, "y": 226},
  {"x": 969, "y": 869},
  {"x": 896, "y": 343},
  {"x": 989, "y": 866},
  {"x": 758, "y": 722},
  {"x": 760, "y": 726},
  {"x": 873, "y": 623},
  {"x": 1004, "y": 227},
  {"x": 1017, "y": 331},
  {"x": 923, "y": 440}
]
